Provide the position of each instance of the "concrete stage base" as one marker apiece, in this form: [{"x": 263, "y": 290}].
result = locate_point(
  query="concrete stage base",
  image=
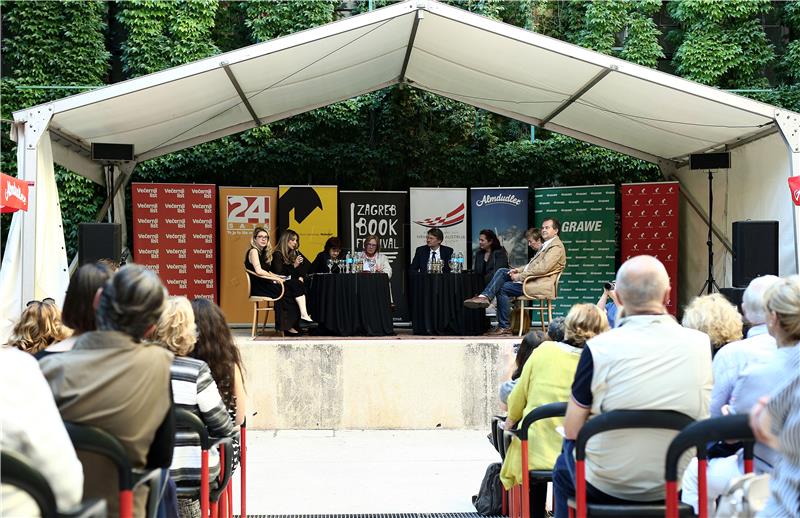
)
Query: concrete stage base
[{"x": 367, "y": 384}]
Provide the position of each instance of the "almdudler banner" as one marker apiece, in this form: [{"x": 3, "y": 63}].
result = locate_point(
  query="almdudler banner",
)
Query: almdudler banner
[
  {"x": 241, "y": 209},
  {"x": 587, "y": 231},
  {"x": 505, "y": 212},
  {"x": 442, "y": 208}
]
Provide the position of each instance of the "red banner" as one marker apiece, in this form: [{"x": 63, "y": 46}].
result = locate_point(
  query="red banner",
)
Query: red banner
[
  {"x": 794, "y": 188},
  {"x": 13, "y": 194},
  {"x": 650, "y": 226},
  {"x": 174, "y": 228}
]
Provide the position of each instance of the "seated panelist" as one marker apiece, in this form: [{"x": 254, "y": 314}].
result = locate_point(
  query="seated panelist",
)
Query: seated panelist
[
  {"x": 374, "y": 260},
  {"x": 331, "y": 252},
  {"x": 432, "y": 250}
]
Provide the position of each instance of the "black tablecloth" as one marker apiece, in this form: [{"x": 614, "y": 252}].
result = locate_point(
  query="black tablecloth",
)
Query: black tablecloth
[
  {"x": 351, "y": 304},
  {"x": 436, "y": 301}
]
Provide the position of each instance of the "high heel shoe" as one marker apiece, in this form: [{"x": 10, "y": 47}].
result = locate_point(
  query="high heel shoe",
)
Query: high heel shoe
[{"x": 291, "y": 334}]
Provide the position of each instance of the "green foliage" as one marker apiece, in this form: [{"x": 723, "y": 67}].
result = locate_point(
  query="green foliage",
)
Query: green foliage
[
  {"x": 789, "y": 66},
  {"x": 723, "y": 42},
  {"x": 269, "y": 19},
  {"x": 52, "y": 43},
  {"x": 165, "y": 34}
]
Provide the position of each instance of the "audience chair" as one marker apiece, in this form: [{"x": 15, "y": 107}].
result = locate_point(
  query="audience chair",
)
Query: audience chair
[
  {"x": 18, "y": 472},
  {"x": 699, "y": 434},
  {"x": 497, "y": 431},
  {"x": 242, "y": 470},
  {"x": 209, "y": 491},
  {"x": 622, "y": 420},
  {"x": 94, "y": 440},
  {"x": 535, "y": 478},
  {"x": 540, "y": 305},
  {"x": 269, "y": 304}
]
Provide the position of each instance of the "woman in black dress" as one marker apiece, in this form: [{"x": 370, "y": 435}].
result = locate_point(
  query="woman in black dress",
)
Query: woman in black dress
[
  {"x": 265, "y": 283},
  {"x": 490, "y": 255},
  {"x": 332, "y": 250},
  {"x": 289, "y": 263}
]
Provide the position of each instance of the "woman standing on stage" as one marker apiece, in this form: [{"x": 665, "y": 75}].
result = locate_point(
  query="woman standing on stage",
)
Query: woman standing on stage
[
  {"x": 292, "y": 265},
  {"x": 372, "y": 256}
]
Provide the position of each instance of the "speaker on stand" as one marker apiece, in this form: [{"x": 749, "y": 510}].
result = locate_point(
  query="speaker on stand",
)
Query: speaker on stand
[
  {"x": 99, "y": 241},
  {"x": 755, "y": 250}
]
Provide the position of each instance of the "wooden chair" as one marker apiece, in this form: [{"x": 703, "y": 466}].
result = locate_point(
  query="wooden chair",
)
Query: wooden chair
[
  {"x": 269, "y": 304},
  {"x": 540, "y": 305}
]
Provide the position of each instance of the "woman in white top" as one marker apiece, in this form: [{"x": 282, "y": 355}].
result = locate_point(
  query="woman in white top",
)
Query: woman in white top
[{"x": 372, "y": 256}]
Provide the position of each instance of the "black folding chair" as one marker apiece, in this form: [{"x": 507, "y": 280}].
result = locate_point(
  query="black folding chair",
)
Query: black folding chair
[
  {"x": 621, "y": 420},
  {"x": 92, "y": 439},
  {"x": 18, "y": 472},
  {"x": 535, "y": 478},
  {"x": 699, "y": 434},
  {"x": 209, "y": 491}
]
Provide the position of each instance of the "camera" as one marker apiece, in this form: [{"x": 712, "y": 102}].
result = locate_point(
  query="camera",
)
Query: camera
[{"x": 610, "y": 286}]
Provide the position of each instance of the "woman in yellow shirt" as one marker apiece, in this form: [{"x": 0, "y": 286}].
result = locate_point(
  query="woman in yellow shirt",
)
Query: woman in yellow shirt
[{"x": 546, "y": 378}]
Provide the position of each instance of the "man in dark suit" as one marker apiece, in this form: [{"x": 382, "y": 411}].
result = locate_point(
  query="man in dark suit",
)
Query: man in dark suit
[{"x": 433, "y": 250}]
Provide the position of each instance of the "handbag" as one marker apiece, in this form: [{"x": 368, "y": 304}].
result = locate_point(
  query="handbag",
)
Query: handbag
[{"x": 744, "y": 497}]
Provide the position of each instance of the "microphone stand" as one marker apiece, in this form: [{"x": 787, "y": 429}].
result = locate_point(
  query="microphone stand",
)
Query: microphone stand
[{"x": 710, "y": 284}]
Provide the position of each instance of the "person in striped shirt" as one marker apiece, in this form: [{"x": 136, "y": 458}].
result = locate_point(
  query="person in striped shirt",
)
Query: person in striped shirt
[{"x": 193, "y": 389}]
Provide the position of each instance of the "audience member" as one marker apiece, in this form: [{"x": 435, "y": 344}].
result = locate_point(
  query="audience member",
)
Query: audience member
[
  {"x": 490, "y": 255},
  {"x": 758, "y": 347},
  {"x": 507, "y": 284},
  {"x": 781, "y": 301},
  {"x": 32, "y": 427},
  {"x": 648, "y": 362},
  {"x": 715, "y": 316},
  {"x": 555, "y": 330},
  {"x": 330, "y": 252},
  {"x": 38, "y": 326},
  {"x": 374, "y": 260},
  {"x": 609, "y": 304},
  {"x": 546, "y": 379},
  {"x": 195, "y": 390},
  {"x": 216, "y": 347},
  {"x": 113, "y": 381},
  {"x": 78, "y": 313},
  {"x": 432, "y": 250},
  {"x": 531, "y": 341},
  {"x": 775, "y": 421}
]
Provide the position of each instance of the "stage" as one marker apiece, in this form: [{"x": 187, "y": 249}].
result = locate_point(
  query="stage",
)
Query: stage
[{"x": 398, "y": 382}]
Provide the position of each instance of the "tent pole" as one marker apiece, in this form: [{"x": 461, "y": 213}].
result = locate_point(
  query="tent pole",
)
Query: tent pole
[{"x": 789, "y": 124}]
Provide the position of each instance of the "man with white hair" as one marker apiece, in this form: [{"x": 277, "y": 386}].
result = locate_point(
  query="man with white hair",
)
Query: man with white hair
[
  {"x": 648, "y": 362},
  {"x": 757, "y": 347}
]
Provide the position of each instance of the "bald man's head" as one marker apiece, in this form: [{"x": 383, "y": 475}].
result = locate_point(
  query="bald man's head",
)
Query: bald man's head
[{"x": 643, "y": 285}]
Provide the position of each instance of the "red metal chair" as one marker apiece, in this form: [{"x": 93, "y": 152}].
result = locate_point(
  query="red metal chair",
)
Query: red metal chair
[
  {"x": 699, "y": 434},
  {"x": 242, "y": 472},
  {"x": 209, "y": 491},
  {"x": 92, "y": 439},
  {"x": 18, "y": 472},
  {"x": 535, "y": 478},
  {"x": 621, "y": 420}
]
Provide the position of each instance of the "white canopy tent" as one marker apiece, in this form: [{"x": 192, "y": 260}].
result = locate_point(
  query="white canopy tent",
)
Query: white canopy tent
[{"x": 545, "y": 82}]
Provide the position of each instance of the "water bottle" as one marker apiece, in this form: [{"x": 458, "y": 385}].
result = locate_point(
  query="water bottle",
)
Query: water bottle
[
  {"x": 348, "y": 263},
  {"x": 460, "y": 261}
]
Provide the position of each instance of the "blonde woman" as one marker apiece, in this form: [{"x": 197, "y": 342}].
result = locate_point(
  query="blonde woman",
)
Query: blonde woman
[
  {"x": 257, "y": 260},
  {"x": 546, "y": 378},
  {"x": 288, "y": 262},
  {"x": 39, "y": 326},
  {"x": 716, "y": 317},
  {"x": 193, "y": 389}
]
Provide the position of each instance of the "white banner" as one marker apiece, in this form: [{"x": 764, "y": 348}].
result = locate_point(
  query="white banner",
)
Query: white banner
[{"x": 442, "y": 208}]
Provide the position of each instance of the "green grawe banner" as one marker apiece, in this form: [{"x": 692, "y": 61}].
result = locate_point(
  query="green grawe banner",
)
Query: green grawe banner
[{"x": 587, "y": 231}]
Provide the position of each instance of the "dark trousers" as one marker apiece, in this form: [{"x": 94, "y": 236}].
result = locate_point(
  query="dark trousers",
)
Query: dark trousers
[{"x": 564, "y": 483}]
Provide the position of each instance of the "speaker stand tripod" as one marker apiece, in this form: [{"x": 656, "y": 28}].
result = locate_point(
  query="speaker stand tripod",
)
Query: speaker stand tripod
[{"x": 710, "y": 284}]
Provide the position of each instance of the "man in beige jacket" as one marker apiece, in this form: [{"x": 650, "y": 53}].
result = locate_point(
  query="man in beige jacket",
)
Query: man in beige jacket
[{"x": 506, "y": 284}]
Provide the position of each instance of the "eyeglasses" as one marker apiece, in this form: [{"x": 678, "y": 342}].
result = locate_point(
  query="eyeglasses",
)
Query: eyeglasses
[
  {"x": 46, "y": 300},
  {"x": 262, "y": 237},
  {"x": 372, "y": 244}
]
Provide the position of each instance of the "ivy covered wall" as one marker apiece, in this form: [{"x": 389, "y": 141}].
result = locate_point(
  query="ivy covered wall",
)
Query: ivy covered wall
[{"x": 398, "y": 137}]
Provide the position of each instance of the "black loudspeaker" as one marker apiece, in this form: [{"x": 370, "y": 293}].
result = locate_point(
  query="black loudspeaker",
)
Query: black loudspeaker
[
  {"x": 755, "y": 250},
  {"x": 112, "y": 152},
  {"x": 734, "y": 296},
  {"x": 710, "y": 161},
  {"x": 99, "y": 241}
]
